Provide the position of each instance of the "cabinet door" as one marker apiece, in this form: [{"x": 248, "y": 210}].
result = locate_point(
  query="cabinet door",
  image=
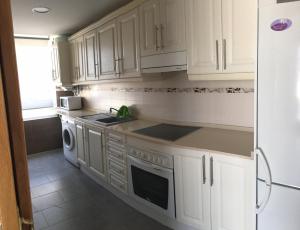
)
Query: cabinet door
[
  {"x": 192, "y": 191},
  {"x": 91, "y": 56},
  {"x": 82, "y": 158},
  {"x": 96, "y": 153},
  {"x": 204, "y": 36},
  {"x": 73, "y": 47},
  {"x": 149, "y": 27},
  {"x": 239, "y": 35},
  {"x": 129, "y": 44},
  {"x": 172, "y": 27},
  {"x": 107, "y": 48},
  {"x": 80, "y": 57},
  {"x": 232, "y": 193}
]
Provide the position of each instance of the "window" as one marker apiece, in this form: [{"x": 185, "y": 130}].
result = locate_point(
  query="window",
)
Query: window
[{"x": 34, "y": 69}]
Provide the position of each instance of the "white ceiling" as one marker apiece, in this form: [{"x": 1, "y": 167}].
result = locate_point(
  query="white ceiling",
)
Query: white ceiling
[{"x": 65, "y": 17}]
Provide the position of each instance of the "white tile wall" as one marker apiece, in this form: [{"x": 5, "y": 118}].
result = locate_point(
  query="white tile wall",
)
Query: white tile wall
[{"x": 218, "y": 108}]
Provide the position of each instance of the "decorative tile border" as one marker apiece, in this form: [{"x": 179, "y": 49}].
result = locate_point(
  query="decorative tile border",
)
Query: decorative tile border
[{"x": 230, "y": 90}]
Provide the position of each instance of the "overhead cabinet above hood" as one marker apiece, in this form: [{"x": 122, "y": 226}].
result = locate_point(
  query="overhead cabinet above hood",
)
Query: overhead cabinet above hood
[{"x": 162, "y": 33}]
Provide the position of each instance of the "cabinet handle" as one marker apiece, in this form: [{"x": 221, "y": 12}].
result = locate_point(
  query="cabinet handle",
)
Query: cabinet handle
[
  {"x": 217, "y": 53},
  {"x": 224, "y": 54},
  {"x": 204, "y": 170},
  {"x": 156, "y": 37},
  {"x": 211, "y": 171},
  {"x": 162, "y": 36}
]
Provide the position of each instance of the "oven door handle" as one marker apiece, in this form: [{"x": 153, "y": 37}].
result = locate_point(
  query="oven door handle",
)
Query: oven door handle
[{"x": 149, "y": 165}]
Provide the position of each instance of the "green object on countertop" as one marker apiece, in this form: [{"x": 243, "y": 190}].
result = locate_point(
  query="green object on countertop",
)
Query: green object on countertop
[{"x": 123, "y": 112}]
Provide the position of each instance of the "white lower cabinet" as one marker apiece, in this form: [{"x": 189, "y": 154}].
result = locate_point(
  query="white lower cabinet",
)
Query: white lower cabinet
[
  {"x": 95, "y": 150},
  {"x": 192, "y": 191},
  {"x": 91, "y": 151},
  {"x": 82, "y": 158},
  {"x": 215, "y": 192},
  {"x": 232, "y": 193}
]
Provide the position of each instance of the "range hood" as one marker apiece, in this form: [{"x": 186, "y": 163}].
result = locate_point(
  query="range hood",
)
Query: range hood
[{"x": 164, "y": 62}]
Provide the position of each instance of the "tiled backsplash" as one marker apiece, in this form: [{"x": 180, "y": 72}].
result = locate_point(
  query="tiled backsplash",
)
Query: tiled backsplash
[{"x": 174, "y": 98}]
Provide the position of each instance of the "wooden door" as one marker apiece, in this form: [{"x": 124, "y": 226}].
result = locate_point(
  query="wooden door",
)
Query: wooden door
[
  {"x": 91, "y": 56},
  {"x": 97, "y": 160},
  {"x": 107, "y": 48},
  {"x": 80, "y": 144},
  {"x": 9, "y": 216},
  {"x": 149, "y": 27},
  {"x": 80, "y": 59},
  {"x": 193, "y": 191},
  {"x": 204, "y": 36},
  {"x": 129, "y": 44},
  {"x": 12, "y": 138},
  {"x": 232, "y": 193},
  {"x": 172, "y": 27},
  {"x": 239, "y": 19}
]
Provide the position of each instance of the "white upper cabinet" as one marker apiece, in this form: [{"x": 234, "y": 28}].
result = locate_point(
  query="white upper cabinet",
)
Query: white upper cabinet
[
  {"x": 91, "y": 56},
  {"x": 149, "y": 27},
  {"x": 162, "y": 26},
  {"x": 239, "y": 35},
  {"x": 204, "y": 36},
  {"x": 108, "y": 50},
  {"x": 77, "y": 52},
  {"x": 129, "y": 44},
  {"x": 192, "y": 190},
  {"x": 172, "y": 27},
  {"x": 232, "y": 193},
  {"x": 60, "y": 60},
  {"x": 221, "y": 37}
]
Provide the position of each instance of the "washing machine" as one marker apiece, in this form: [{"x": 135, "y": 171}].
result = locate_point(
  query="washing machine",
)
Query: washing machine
[{"x": 69, "y": 140}]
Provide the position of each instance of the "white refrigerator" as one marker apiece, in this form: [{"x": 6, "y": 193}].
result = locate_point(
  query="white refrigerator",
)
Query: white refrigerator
[{"x": 278, "y": 116}]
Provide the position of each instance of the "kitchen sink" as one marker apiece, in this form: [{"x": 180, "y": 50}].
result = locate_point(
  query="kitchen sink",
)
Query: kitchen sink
[
  {"x": 105, "y": 119},
  {"x": 109, "y": 120}
]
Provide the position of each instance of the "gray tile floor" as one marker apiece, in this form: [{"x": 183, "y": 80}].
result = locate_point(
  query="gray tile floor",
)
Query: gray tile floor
[{"x": 63, "y": 198}]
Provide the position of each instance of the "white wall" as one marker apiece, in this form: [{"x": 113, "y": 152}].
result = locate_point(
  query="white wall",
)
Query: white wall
[{"x": 175, "y": 98}]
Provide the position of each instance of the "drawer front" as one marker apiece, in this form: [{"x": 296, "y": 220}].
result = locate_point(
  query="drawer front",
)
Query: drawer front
[
  {"x": 117, "y": 169},
  {"x": 113, "y": 137},
  {"x": 115, "y": 145},
  {"x": 117, "y": 154},
  {"x": 117, "y": 183}
]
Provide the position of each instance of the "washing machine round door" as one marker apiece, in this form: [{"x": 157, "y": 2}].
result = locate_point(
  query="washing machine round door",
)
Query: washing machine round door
[{"x": 68, "y": 139}]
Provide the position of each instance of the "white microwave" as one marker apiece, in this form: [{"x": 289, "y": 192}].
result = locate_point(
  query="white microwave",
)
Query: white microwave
[{"x": 70, "y": 103}]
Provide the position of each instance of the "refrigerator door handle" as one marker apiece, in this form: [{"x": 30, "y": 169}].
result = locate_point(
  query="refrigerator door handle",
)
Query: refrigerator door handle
[{"x": 260, "y": 207}]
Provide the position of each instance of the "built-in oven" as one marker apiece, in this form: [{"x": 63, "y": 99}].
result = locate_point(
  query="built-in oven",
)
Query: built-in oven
[{"x": 151, "y": 179}]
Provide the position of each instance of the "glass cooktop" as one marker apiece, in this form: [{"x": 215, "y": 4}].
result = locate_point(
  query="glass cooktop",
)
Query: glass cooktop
[{"x": 166, "y": 131}]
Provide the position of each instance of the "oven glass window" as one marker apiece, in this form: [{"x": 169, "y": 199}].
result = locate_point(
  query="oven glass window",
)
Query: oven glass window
[{"x": 150, "y": 187}]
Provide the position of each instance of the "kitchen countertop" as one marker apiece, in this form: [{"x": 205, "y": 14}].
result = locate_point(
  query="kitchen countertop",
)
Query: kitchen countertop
[
  {"x": 212, "y": 138},
  {"x": 76, "y": 113}
]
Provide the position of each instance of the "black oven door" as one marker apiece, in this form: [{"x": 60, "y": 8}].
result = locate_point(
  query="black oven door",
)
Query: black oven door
[{"x": 152, "y": 185}]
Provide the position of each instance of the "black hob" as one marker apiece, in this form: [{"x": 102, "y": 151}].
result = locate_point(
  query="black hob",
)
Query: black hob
[{"x": 166, "y": 131}]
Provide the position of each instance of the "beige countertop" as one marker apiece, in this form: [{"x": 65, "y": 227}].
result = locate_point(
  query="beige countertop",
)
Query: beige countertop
[
  {"x": 206, "y": 138},
  {"x": 213, "y": 138},
  {"x": 76, "y": 113}
]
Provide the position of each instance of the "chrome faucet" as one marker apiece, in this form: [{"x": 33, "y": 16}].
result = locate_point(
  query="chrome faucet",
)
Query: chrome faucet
[{"x": 111, "y": 109}]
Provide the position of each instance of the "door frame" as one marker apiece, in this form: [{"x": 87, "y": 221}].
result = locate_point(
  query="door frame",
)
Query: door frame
[{"x": 16, "y": 134}]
